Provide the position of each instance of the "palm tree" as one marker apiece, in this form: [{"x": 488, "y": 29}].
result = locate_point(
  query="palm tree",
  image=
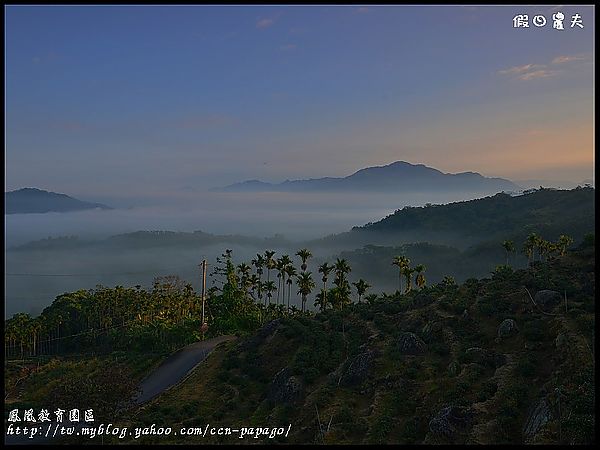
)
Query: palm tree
[
  {"x": 361, "y": 287},
  {"x": 509, "y": 246},
  {"x": 269, "y": 287},
  {"x": 407, "y": 272},
  {"x": 259, "y": 263},
  {"x": 341, "y": 293},
  {"x": 325, "y": 269},
  {"x": 529, "y": 246},
  {"x": 269, "y": 263},
  {"x": 564, "y": 242},
  {"x": 371, "y": 298},
  {"x": 402, "y": 262},
  {"x": 304, "y": 255},
  {"x": 244, "y": 271},
  {"x": 420, "y": 280},
  {"x": 305, "y": 284},
  {"x": 290, "y": 271},
  {"x": 280, "y": 266}
]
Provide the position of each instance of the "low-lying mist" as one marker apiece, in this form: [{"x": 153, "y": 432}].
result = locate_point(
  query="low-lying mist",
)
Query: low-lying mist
[{"x": 35, "y": 277}]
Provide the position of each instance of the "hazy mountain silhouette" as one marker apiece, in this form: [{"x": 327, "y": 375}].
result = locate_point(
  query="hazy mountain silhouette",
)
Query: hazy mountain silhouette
[
  {"x": 394, "y": 177},
  {"x": 32, "y": 200}
]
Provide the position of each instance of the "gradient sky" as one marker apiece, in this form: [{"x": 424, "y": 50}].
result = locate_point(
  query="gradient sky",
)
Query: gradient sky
[{"x": 106, "y": 99}]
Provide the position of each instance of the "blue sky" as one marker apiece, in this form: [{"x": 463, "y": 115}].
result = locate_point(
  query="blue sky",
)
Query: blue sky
[{"x": 105, "y": 99}]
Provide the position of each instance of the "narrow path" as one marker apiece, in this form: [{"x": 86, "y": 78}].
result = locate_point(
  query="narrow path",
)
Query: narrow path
[
  {"x": 175, "y": 368},
  {"x": 170, "y": 373}
]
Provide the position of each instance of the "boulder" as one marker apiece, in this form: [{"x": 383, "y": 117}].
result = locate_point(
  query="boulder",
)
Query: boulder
[
  {"x": 431, "y": 328},
  {"x": 547, "y": 298},
  {"x": 284, "y": 388},
  {"x": 450, "y": 421},
  {"x": 507, "y": 328},
  {"x": 539, "y": 415},
  {"x": 561, "y": 341},
  {"x": 358, "y": 368},
  {"x": 465, "y": 315},
  {"x": 410, "y": 344}
]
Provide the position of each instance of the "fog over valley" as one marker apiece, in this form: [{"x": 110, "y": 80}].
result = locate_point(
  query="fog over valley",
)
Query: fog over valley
[{"x": 296, "y": 217}]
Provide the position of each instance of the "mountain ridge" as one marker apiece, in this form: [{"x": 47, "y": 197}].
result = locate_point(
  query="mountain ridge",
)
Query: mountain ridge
[
  {"x": 33, "y": 200},
  {"x": 396, "y": 176}
]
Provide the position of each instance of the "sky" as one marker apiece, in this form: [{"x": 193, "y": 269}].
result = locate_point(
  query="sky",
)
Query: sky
[{"x": 115, "y": 100}]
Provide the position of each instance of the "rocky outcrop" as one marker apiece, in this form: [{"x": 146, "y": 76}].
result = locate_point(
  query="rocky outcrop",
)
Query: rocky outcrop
[
  {"x": 450, "y": 421},
  {"x": 539, "y": 415},
  {"x": 284, "y": 388},
  {"x": 358, "y": 368},
  {"x": 410, "y": 344},
  {"x": 507, "y": 328}
]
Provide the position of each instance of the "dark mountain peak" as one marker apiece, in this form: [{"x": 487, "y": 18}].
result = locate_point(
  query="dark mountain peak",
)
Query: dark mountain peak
[
  {"x": 398, "y": 176},
  {"x": 35, "y": 200}
]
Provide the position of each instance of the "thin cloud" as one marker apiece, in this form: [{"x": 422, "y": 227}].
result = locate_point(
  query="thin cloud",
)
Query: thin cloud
[
  {"x": 521, "y": 69},
  {"x": 536, "y": 74},
  {"x": 566, "y": 59},
  {"x": 264, "y": 23},
  {"x": 288, "y": 47}
]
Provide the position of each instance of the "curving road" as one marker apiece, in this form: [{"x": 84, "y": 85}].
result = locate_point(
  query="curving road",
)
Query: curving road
[
  {"x": 176, "y": 368},
  {"x": 171, "y": 372}
]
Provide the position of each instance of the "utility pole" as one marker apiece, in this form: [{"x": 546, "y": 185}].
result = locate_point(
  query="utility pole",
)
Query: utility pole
[{"x": 204, "y": 326}]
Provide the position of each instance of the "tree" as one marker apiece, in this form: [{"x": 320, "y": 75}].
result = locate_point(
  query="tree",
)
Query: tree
[
  {"x": 420, "y": 279},
  {"x": 361, "y": 287},
  {"x": 290, "y": 271},
  {"x": 304, "y": 255},
  {"x": 305, "y": 285},
  {"x": 448, "y": 281},
  {"x": 269, "y": 287},
  {"x": 529, "y": 247},
  {"x": 564, "y": 242},
  {"x": 509, "y": 246},
  {"x": 259, "y": 263},
  {"x": 371, "y": 298},
  {"x": 325, "y": 269},
  {"x": 407, "y": 272},
  {"x": 401, "y": 262}
]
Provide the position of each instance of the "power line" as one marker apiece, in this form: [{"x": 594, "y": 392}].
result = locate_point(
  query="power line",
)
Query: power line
[{"x": 94, "y": 274}]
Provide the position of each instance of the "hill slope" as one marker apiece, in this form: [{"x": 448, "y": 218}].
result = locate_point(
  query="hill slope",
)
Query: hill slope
[
  {"x": 399, "y": 176},
  {"x": 548, "y": 212},
  {"x": 32, "y": 200},
  {"x": 443, "y": 365}
]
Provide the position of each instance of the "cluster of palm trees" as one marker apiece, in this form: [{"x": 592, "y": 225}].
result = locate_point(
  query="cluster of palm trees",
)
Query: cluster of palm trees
[
  {"x": 535, "y": 243},
  {"x": 286, "y": 273},
  {"x": 404, "y": 270}
]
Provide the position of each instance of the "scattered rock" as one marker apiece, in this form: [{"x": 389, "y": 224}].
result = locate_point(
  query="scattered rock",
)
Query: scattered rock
[
  {"x": 547, "y": 298},
  {"x": 507, "y": 328},
  {"x": 561, "y": 341},
  {"x": 411, "y": 344},
  {"x": 539, "y": 415},
  {"x": 484, "y": 357},
  {"x": 431, "y": 328},
  {"x": 284, "y": 388},
  {"x": 269, "y": 328},
  {"x": 465, "y": 315},
  {"x": 450, "y": 421},
  {"x": 358, "y": 368}
]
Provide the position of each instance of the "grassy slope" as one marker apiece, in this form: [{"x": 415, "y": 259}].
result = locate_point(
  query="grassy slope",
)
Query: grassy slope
[{"x": 401, "y": 394}]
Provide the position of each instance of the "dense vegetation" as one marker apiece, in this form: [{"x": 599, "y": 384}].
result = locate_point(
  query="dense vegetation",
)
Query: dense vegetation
[
  {"x": 429, "y": 364},
  {"x": 435, "y": 365}
]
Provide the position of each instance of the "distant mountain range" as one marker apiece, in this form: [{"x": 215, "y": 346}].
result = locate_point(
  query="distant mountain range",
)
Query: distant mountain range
[
  {"x": 32, "y": 200},
  {"x": 399, "y": 176}
]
